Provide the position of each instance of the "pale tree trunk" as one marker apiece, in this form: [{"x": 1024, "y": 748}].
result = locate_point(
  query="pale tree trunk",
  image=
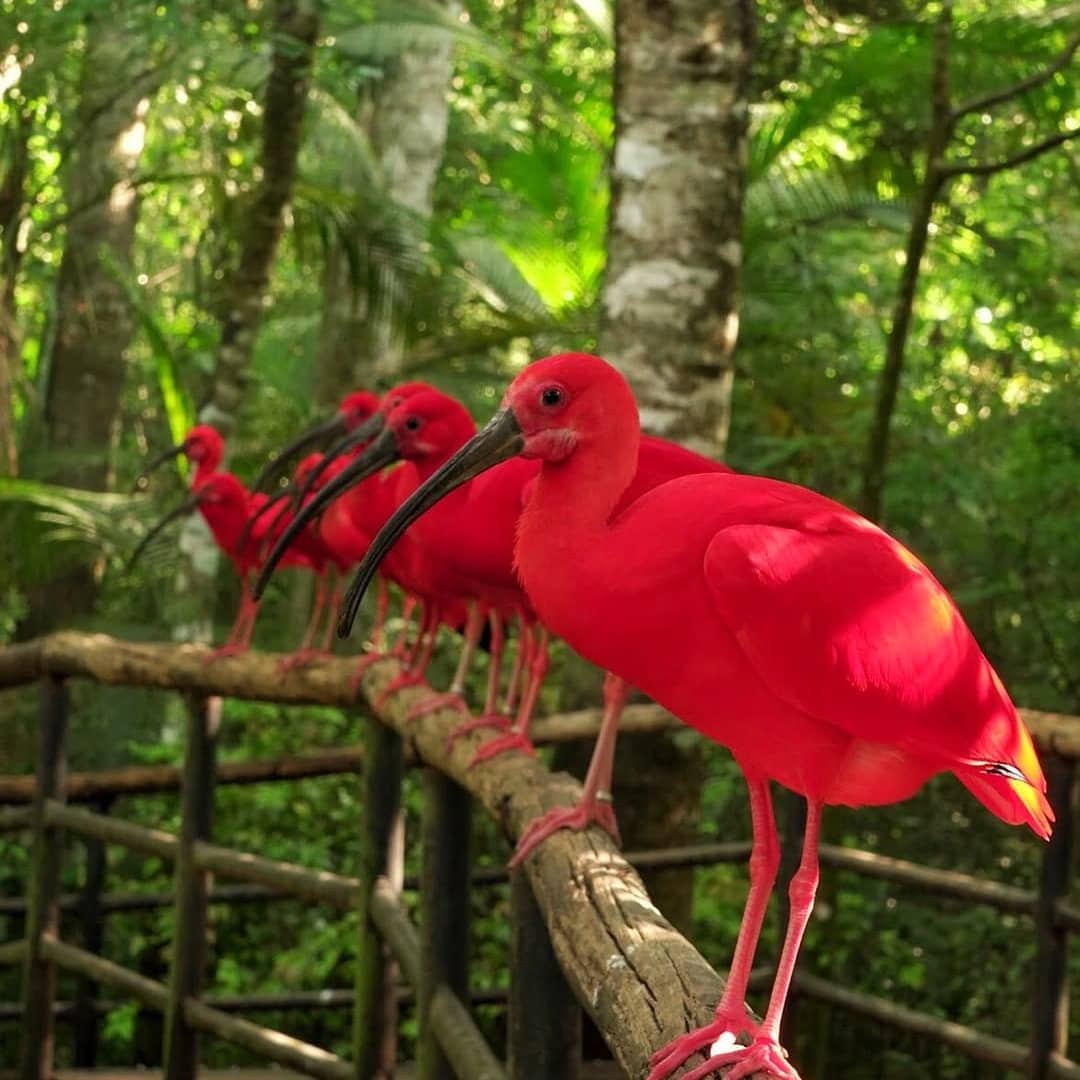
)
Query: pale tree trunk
[
  {"x": 86, "y": 367},
  {"x": 294, "y": 30},
  {"x": 408, "y": 122},
  {"x": 670, "y": 304}
]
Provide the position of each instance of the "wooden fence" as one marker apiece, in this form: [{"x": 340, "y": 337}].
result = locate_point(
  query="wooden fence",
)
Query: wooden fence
[{"x": 584, "y": 933}]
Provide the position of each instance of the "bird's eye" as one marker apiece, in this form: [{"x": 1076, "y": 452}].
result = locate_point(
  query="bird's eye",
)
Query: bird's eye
[
  {"x": 413, "y": 423},
  {"x": 551, "y": 396}
]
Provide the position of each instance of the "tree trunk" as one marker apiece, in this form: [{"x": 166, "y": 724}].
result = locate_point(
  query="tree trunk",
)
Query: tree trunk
[
  {"x": 295, "y": 28},
  {"x": 86, "y": 369},
  {"x": 12, "y": 208},
  {"x": 408, "y": 130},
  {"x": 670, "y": 303},
  {"x": 937, "y": 141}
]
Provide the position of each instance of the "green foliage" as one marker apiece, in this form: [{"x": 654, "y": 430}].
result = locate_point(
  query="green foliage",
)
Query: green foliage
[{"x": 983, "y": 481}]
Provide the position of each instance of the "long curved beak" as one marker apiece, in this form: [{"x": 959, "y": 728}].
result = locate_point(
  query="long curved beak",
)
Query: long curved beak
[
  {"x": 186, "y": 507},
  {"x": 498, "y": 440},
  {"x": 277, "y": 464},
  {"x": 382, "y": 452},
  {"x": 363, "y": 434},
  {"x": 155, "y": 463}
]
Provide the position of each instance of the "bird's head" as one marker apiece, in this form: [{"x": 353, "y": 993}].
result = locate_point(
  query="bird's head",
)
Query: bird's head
[
  {"x": 551, "y": 408},
  {"x": 204, "y": 446},
  {"x": 357, "y": 407}
]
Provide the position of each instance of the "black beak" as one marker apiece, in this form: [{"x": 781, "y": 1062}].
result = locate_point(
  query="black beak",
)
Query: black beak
[
  {"x": 382, "y": 452},
  {"x": 154, "y": 464},
  {"x": 498, "y": 440},
  {"x": 312, "y": 437},
  {"x": 245, "y": 534},
  {"x": 364, "y": 433},
  {"x": 185, "y": 508}
]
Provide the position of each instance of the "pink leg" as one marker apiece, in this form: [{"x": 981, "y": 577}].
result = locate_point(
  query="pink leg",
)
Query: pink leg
[
  {"x": 765, "y": 1054},
  {"x": 518, "y": 737},
  {"x": 452, "y": 699},
  {"x": 401, "y": 646},
  {"x": 521, "y": 660},
  {"x": 595, "y": 803},
  {"x": 498, "y": 643},
  {"x": 417, "y": 664},
  {"x": 238, "y": 639},
  {"x": 305, "y": 653},
  {"x": 490, "y": 718},
  {"x": 331, "y": 616},
  {"x": 382, "y": 607}
]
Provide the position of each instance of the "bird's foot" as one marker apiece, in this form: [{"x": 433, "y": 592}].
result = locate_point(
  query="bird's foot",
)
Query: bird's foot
[
  {"x": 597, "y": 811},
  {"x": 405, "y": 679},
  {"x": 763, "y": 1057},
  {"x": 432, "y": 704},
  {"x": 718, "y": 1037},
  {"x": 502, "y": 744},
  {"x": 361, "y": 666},
  {"x": 301, "y": 658},
  {"x": 477, "y": 723},
  {"x": 232, "y": 649}
]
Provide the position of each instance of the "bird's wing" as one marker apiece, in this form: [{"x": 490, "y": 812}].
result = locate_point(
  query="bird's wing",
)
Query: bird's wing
[{"x": 842, "y": 622}]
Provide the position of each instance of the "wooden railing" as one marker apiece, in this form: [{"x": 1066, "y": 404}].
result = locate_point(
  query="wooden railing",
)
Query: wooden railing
[{"x": 584, "y": 933}]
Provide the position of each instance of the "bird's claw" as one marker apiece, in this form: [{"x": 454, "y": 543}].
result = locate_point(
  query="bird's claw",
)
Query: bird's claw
[
  {"x": 432, "y": 704},
  {"x": 502, "y": 744},
  {"x": 488, "y": 720},
  {"x": 729, "y": 1023},
  {"x": 233, "y": 649},
  {"x": 763, "y": 1057},
  {"x": 403, "y": 681},
  {"x": 301, "y": 658},
  {"x": 577, "y": 818},
  {"x": 361, "y": 666}
]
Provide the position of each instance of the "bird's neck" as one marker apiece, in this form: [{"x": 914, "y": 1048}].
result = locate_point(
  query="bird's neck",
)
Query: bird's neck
[{"x": 575, "y": 497}]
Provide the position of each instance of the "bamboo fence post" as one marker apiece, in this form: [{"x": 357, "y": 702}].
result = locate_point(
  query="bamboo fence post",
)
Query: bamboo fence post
[
  {"x": 382, "y": 852},
  {"x": 545, "y": 1018},
  {"x": 1050, "y": 1000},
  {"x": 444, "y": 909},
  {"x": 43, "y": 913},
  {"x": 93, "y": 936},
  {"x": 192, "y": 885}
]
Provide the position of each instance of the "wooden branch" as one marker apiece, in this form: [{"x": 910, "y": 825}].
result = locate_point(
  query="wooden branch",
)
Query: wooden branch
[
  {"x": 17, "y": 818},
  {"x": 971, "y": 1043},
  {"x": 101, "y": 827},
  {"x": 11, "y": 954},
  {"x": 640, "y": 980},
  {"x": 988, "y": 168},
  {"x": 71, "y": 958},
  {"x": 275, "y": 1046},
  {"x": 1005, "y": 93}
]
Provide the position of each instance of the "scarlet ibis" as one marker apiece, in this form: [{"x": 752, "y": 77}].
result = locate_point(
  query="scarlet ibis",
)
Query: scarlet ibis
[
  {"x": 355, "y": 408},
  {"x": 226, "y": 506},
  {"x": 776, "y": 621}
]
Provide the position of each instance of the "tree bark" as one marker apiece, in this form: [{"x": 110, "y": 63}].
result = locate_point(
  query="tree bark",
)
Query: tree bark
[
  {"x": 361, "y": 342},
  {"x": 295, "y": 27},
  {"x": 12, "y": 207},
  {"x": 86, "y": 368},
  {"x": 294, "y": 30},
  {"x": 937, "y": 141},
  {"x": 670, "y": 304}
]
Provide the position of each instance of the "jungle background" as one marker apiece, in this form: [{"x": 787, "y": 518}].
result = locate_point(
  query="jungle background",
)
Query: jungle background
[{"x": 833, "y": 240}]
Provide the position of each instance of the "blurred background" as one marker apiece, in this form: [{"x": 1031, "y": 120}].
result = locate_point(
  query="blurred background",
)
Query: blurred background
[{"x": 834, "y": 241}]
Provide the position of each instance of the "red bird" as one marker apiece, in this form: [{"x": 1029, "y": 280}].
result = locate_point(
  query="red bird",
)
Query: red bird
[
  {"x": 777, "y": 622},
  {"x": 226, "y": 505}
]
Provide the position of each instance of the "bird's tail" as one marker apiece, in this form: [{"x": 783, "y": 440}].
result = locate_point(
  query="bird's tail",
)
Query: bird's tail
[{"x": 1014, "y": 790}]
